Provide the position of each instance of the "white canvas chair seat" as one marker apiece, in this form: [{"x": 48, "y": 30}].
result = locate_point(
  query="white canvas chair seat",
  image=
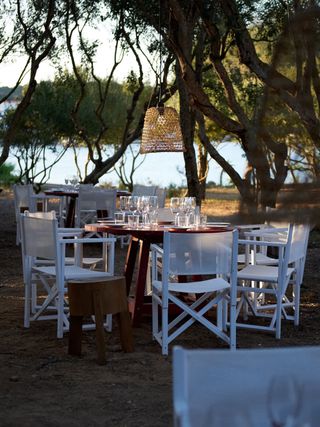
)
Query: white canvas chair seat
[
  {"x": 281, "y": 283},
  {"x": 263, "y": 273},
  {"x": 259, "y": 259},
  {"x": 72, "y": 272},
  {"x": 194, "y": 254},
  {"x": 41, "y": 238},
  {"x": 199, "y": 287}
]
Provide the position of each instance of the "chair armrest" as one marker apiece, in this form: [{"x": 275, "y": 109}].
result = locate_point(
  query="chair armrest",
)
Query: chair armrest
[
  {"x": 156, "y": 248},
  {"x": 88, "y": 240},
  {"x": 264, "y": 231},
  {"x": 261, "y": 243},
  {"x": 42, "y": 196},
  {"x": 250, "y": 226},
  {"x": 70, "y": 232}
]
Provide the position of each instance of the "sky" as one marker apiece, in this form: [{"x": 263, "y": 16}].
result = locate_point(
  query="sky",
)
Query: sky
[{"x": 104, "y": 60}]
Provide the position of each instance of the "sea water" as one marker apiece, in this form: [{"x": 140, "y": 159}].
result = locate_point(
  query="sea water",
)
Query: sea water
[{"x": 160, "y": 169}]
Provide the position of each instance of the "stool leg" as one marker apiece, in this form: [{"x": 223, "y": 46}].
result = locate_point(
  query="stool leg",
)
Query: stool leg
[
  {"x": 75, "y": 335},
  {"x": 124, "y": 322},
  {"x": 100, "y": 334}
]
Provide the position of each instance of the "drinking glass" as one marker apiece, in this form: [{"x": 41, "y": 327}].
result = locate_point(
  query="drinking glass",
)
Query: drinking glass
[
  {"x": 175, "y": 203},
  {"x": 74, "y": 181},
  {"x": 123, "y": 203},
  {"x": 154, "y": 219},
  {"x": 119, "y": 217},
  {"x": 132, "y": 203},
  {"x": 133, "y": 221},
  {"x": 153, "y": 203},
  {"x": 283, "y": 400},
  {"x": 190, "y": 204},
  {"x": 143, "y": 204},
  {"x": 182, "y": 220}
]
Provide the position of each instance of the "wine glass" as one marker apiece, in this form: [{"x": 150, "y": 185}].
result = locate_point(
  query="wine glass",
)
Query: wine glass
[
  {"x": 175, "y": 204},
  {"x": 74, "y": 181},
  {"x": 123, "y": 203},
  {"x": 284, "y": 399},
  {"x": 153, "y": 203},
  {"x": 132, "y": 203}
]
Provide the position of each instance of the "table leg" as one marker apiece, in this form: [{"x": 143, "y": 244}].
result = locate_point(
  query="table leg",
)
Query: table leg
[
  {"x": 130, "y": 262},
  {"x": 71, "y": 212},
  {"x": 141, "y": 282}
]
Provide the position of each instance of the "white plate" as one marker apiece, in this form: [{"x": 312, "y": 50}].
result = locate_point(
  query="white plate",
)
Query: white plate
[{"x": 218, "y": 224}]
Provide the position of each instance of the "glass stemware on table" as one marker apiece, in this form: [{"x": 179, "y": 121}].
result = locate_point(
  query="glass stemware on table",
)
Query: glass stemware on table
[
  {"x": 143, "y": 207},
  {"x": 72, "y": 181},
  {"x": 184, "y": 209}
]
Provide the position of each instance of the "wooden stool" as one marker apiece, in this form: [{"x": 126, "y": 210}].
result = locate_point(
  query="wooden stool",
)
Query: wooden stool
[{"x": 98, "y": 299}]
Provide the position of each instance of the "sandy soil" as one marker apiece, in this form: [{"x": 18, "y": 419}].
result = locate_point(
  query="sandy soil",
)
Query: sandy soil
[{"x": 41, "y": 385}]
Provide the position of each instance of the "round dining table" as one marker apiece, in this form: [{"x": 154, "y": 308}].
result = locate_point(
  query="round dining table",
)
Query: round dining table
[{"x": 141, "y": 239}]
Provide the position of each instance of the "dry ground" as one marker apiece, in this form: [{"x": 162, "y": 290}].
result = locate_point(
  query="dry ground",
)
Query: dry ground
[{"x": 41, "y": 385}]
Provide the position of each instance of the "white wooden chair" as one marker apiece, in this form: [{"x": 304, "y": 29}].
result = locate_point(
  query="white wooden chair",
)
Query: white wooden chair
[
  {"x": 209, "y": 382},
  {"x": 41, "y": 240},
  {"x": 273, "y": 229},
  {"x": 272, "y": 281},
  {"x": 194, "y": 254},
  {"x": 144, "y": 190},
  {"x": 22, "y": 200},
  {"x": 77, "y": 259},
  {"x": 267, "y": 232},
  {"x": 91, "y": 200},
  {"x": 161, "y": 193}
]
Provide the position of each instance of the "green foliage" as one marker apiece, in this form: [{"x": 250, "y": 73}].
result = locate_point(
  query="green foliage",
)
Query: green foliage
[
  {"x": 173, "y": 190},
  {"x": 54, "y": 102},
  {"x": 7, "y": 175}
]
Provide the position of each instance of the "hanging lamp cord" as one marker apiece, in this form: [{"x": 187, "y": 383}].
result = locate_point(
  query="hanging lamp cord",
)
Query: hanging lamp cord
[{"x": 160, "y": 59}]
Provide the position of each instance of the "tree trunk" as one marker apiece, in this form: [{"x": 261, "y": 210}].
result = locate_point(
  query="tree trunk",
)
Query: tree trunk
[{"x": 187, "y": 121}]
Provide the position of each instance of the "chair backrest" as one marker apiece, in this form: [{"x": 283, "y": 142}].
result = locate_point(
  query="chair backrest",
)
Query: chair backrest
[
  {"x": 161, "y": 193},
  {"x": 298, "y": 250},
  {"x": 299, "y": 242},
  {"x": 22, "y": 197},
  {"x": 144, "y": 190},
  {"x": 165, "y": 214},
  {"x": 94, "y": 199},
  {"x": 274, "y": 219},
  {"x": 43, "y": 215},
  {"x": 222, "y": 380},
  {"x": 199, "y": 253},
  {"x": 22, "y": 200},
  {"x": 39, "y": 237},
  {"x": 106, "y": 200}
]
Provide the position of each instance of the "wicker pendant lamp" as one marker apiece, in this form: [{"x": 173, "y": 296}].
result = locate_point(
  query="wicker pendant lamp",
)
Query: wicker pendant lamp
[{"x": 161, "y": 130}]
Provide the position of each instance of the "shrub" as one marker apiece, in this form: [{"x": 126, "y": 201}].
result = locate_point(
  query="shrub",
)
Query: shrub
[{"x": 7, "y": 176}]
